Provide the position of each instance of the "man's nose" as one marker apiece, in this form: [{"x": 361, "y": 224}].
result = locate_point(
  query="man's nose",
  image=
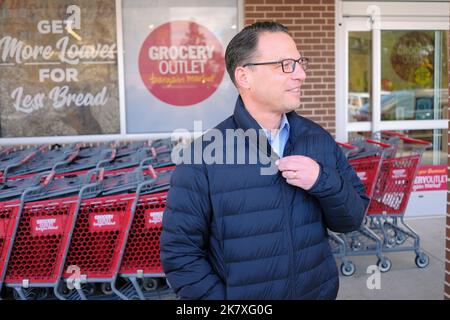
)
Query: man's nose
[{"x": 299, "y": 73}]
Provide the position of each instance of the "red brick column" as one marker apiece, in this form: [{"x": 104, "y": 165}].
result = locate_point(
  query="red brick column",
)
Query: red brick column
[
  {"x": 312, "y": 24},
  {"x": 447, "y": 229}
]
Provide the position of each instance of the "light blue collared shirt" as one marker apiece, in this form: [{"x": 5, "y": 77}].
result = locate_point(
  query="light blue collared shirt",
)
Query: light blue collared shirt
[{"x": 279, "y": 141}]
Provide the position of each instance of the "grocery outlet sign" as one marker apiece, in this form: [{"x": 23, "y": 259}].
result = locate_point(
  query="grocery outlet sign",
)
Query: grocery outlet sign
[
  {"x": 431, "y": 178},
  {"x": 181, "y": 63},
  {"x": 174, "y": 64},
  {"x": 429, "y": 193}
]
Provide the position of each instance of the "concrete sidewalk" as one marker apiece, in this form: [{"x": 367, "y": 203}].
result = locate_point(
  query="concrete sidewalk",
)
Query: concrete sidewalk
[{"x": 405, "y": 280}]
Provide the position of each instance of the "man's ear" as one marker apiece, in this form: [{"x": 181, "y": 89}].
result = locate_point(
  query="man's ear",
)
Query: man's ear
[{"x": 243, "y": 77}]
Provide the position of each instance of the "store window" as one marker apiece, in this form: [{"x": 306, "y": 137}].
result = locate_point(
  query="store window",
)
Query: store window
[
  {"x": 414, "y": 77},
  {"x": 360, "y": 77},
  {"x": 70, "y": 68},
  {"x": 174, "y": 66},
  {"x": 58, "y": 68}
]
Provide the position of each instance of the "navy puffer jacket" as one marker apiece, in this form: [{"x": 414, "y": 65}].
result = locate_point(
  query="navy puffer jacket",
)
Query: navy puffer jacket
[{"x": 231, "y": 233}]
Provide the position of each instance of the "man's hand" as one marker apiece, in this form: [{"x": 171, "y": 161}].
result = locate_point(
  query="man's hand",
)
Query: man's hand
[{"x": 299, "y": 171}]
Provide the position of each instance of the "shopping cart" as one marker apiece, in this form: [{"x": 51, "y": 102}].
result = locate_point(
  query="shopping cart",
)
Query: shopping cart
[
  {"x": 141, "y": 267},
  {"x": 78, "y": 162},
  {"x": 89, "y": 150},
  {"x": 42, "y": 161},
  {"x": 42, "y": 237},
  {"x": 126, "y": 160},
  {"x": 11, "y": 158},
  {"x": 12, "y": 189},
  {"x": 367, "y": 162},
  {"x": 163, "y": 145},
  {"x": 100, "y": 236},
  {"x": 159, "y": 159},
  {"x": 5, "y": 150},
  {"x": 390, "y": 198},
  {"x": 10, "y": 210},
  {"x": 124, "y": 149},
  {"x": 9, "y": 218}
]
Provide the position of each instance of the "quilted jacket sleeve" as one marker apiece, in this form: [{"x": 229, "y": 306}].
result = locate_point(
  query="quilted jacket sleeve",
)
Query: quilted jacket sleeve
[
  {"x": 184, "y": 237},
  {"x": 341, "y": 195}
]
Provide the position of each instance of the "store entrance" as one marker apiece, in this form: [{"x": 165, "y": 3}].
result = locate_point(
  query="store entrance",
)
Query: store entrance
[{"x": 393, "y": 75}]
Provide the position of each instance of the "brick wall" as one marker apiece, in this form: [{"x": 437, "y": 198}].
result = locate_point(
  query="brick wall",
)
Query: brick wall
[
  {"x": 447, "y": 229},
  {"x": 311, "y": 23}
]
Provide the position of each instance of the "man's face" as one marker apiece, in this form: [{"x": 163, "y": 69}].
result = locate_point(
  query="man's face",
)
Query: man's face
[{"x": 271, "y": 88}]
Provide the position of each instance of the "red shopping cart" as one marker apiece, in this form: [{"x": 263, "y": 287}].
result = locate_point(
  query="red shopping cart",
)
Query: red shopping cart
[
  {"x": 42, "y": 235},
  {"x": 141, "y": 265},
  {"x": 366, "y": 159},
  {"x": 390, "y": 198},
  {"x": 101, "y": 233}
]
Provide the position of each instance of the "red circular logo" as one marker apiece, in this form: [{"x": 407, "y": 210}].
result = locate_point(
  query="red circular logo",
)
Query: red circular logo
[{"x": 181, "y": 63}]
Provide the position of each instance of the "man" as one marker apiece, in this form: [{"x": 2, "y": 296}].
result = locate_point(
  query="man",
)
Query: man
[{"x": 231, "y": 232}]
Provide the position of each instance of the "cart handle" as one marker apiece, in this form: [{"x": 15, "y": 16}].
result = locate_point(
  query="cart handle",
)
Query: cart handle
[
  {"x": 113, "y": 154},
  {"x": 42, "y": 148},
  {"x": 393, "y": 133},
  {"x": 73, "y": 156},
  {"x": 405, "y": 138},
  {"x": 345, "y": 145},
  {"x": 415, "y": 141},
  {"x": 101, "y": 175},
  {"x": 153, "y": 151},
  {"x": 28, "y": 157},
  {"x": 381, "y": 144},
  {"x": 152, "y": 172},
  {"x": 49, "y": 178}
]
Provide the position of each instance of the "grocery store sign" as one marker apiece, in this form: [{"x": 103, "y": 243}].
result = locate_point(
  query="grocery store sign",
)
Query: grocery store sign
[
  {"x": 431, "y": 178},
  {"x": 181, "y": 63},
  {"x": 153, "y": 219},
  {"x": 104, "y": 222},
  {"x": 56, "y": 64},
  {"x": 46, "y": 225}
]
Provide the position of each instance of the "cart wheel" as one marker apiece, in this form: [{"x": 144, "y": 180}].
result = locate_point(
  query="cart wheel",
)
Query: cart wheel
[
  {"x": 42, "y": 293},
  {"x": 348, "y": 269},
  {"x": 390, "y": 242},
  {"x": 88, "y": 289},
  {"x": 16, "y": 295},
  {"x": 384, "y": 265},
  {"x": 66, "y": 292},
  {"x": 356, "y": 245},
  {"x": 106, "y": 289},
  {"x": 422, "y": 260},
  {"x": 400, "y": 238},
  {"x": 150, "y": 284},
  {"x": 30, "y": 294}
]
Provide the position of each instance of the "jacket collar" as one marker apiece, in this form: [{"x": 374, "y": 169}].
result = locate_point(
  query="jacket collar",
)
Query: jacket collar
[
  {"x": 245, "y": 121},
  {"x": 243, "y": 118}
]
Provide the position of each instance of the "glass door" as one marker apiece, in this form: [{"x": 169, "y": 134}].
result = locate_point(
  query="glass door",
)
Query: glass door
[{"x": 396, "y": 78}]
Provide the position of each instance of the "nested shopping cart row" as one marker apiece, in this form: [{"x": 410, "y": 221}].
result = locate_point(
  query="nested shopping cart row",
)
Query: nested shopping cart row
[
  {"x": 73, "y": 236},
  {"x": 82, "y": 237},
  {"x": 22, "y": 163},
  {"x": 387, "y": 166}
]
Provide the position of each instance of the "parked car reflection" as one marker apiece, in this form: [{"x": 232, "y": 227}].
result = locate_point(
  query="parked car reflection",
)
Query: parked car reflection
[{"x": 396, "y": 105}]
